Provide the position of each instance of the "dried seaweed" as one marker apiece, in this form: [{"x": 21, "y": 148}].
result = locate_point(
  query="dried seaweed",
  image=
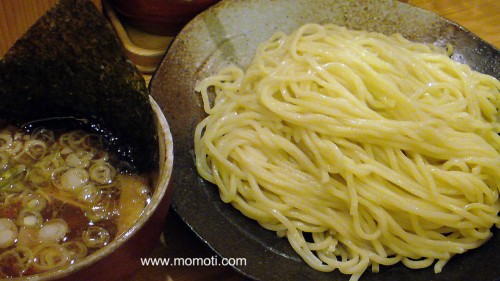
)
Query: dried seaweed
[{"x": 71, "y": 64}]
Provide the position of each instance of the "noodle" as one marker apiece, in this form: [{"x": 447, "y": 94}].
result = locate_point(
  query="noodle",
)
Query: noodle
[{"x": 361, "y": 149}]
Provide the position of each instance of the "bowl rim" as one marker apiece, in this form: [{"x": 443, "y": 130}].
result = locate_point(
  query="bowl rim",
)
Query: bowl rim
[{"x": 165, "y": 169}]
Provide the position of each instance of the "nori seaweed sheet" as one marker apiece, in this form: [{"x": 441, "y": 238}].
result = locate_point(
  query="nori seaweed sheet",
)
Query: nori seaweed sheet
[{"x": 70, "y": 63}]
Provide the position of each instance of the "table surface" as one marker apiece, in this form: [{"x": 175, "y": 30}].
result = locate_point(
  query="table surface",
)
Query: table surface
[{"x": 478, "y": 16}]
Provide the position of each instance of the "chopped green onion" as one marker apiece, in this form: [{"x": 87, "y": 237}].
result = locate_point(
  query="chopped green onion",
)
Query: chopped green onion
[
  {"x": 29, "y": 218},
  {"x": 95, "y": 237},
  {"x": 8, "y": 233},
  {"x": 11, "y": 175},
  {"x": 53, "y": 231},
  {"x": 102, "y": 172}
]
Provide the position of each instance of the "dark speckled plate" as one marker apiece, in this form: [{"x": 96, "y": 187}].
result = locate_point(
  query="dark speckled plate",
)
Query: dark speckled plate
[{"x": 228, "y": 33}]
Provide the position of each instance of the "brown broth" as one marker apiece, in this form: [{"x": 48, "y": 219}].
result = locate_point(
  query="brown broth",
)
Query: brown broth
[{"x": 74, "y": 175}]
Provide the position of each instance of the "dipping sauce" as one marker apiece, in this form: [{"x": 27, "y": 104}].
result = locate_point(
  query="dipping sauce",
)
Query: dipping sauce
[{"x": 63, "y": 196}]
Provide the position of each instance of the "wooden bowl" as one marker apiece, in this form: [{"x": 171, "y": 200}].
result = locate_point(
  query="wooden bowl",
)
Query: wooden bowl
[{"x": 164, "y": 17}]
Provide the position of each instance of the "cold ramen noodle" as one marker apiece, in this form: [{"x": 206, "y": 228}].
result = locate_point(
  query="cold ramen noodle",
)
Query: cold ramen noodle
[
  {"x": 361, "y": 149},
  {"x": 62, "y": 198}
]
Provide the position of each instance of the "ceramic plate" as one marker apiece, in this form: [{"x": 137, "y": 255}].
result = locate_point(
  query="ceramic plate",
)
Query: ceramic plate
[{"x": 229, "y": 32}]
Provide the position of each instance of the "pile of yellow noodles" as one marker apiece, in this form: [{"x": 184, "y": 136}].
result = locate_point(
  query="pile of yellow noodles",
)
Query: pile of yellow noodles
[{"x": 362, "y": 149}]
